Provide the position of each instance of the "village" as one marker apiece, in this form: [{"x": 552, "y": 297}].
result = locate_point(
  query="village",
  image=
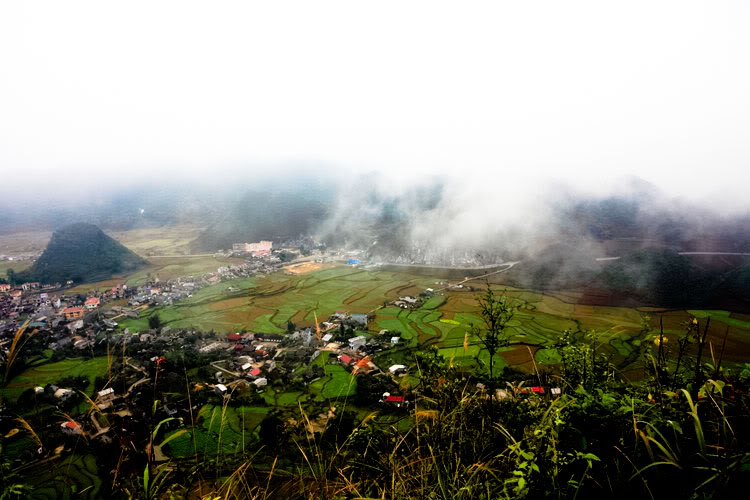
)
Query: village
[{"x": 242, "y": 365}]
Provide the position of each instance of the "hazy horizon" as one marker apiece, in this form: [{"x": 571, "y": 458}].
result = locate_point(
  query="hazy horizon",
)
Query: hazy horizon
[{"x": 578, "y": 93}]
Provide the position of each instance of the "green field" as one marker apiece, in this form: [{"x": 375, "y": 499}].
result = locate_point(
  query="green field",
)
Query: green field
[
  {"x": 75, "y": 476},
  {"x": 17, "y": 266},
  {"x": 49, "y": 373},
  {"x": 266, "y": 304},
  {"x": 164, "y": 268},
  {"x": 228, "y": 430}
]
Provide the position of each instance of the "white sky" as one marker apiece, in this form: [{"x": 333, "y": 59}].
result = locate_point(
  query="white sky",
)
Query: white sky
[{"x": 581, "y": 91}]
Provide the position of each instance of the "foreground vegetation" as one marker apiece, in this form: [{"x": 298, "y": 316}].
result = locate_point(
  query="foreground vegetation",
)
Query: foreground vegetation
[{"x": 681, "y": 431}]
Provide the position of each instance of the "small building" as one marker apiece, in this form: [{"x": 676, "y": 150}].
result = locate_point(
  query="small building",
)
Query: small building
[
  {"x": 73, "y": 312},
  {"x": 260, "y": 382},
  {"x": 269, "y": 337},
  {"x": 106, "y": 394},
  {"x": 327, "y": 337},
  {"x": 82, "y": 343},
  {"x": 364, "y": 365},
  {"x": 393, "y": 400},
  {"x": 357, "y": 342},
  {"x": 346, "y": 359},
  {"x": 220, "y": 389},
  {"x": 397, "y": 369},
  {"x": 91, "y": 303},
  {"x": 71, "y": 428},
  {"x": 63, "y": 394},
  {"x": 395, "y": 340},
  {"x": 246, "y": 367}
]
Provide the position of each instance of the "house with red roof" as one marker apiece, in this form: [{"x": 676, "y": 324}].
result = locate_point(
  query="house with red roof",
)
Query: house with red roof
[
  {"x": 364, "y": 365},
  {"x": 92, "y": 303},
  {"x": 394, "y": 399},
  {"x": 254, "y": 372},
  {"x": 4, "y": 287},
  {"x": 234, "y": 337},
  {"x": 71, "y": 428},
  {"x": 73, "y": 312},
  {"x": 346, "y": 359}
]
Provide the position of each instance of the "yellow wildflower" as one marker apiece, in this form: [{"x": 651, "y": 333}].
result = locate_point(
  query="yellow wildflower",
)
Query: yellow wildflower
[{"x": 658, "y": 340}]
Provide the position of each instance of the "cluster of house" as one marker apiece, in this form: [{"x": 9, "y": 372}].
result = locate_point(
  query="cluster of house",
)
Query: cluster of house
[
  {"x": 25, "y": 300},
  {"x": 263, "y": 247},
  {"x": 409, "y": 302},
  {"x": 259, "y": 357}
]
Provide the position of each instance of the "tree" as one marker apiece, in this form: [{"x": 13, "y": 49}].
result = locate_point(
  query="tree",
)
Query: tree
[
  {"x": 339, "y": 428},
  {"x": 271, "y": 431},
  {"x": 496, "y": 312},
  {"x": 290, "y": 327},
  {"x": 12, "y": 277},
  {"x": 370, "y": 388},
  {"x": 154, "y": 321}
]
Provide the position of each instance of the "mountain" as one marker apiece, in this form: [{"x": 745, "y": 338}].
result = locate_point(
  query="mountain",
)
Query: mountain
[
  {"x": 278, "y": 214},
  {"x": 82, "y": 252}
]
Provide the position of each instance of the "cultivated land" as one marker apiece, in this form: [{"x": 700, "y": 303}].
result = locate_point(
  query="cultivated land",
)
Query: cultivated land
[
  {"x": 265, "y": 304},
  {"x": 164, "y": 268},
  {"x": 16, "y": 265},
  {"x": 173, "y": 240},
  {"x": 49, "y": 373},
  {"x": 22, "y": 243}
]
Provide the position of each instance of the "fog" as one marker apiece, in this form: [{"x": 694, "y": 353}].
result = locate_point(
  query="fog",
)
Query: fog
[{"x": 513, "y": 109}]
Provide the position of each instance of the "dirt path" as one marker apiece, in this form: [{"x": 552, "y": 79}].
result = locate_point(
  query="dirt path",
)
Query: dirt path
[{"x": 467, "y": 279}]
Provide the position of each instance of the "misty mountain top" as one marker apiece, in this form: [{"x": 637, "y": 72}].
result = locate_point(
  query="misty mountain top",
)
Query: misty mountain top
[{"x": 438, "y": 220}]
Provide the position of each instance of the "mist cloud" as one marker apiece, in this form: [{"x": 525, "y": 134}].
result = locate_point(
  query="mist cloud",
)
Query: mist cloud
[{"x": 95, "y": 94}]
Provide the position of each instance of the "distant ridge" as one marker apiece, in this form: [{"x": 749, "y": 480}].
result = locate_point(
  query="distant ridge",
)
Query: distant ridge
[{"x": 82, "y": 252}]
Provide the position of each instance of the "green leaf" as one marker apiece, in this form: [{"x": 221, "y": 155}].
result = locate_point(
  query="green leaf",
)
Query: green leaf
[{"x": 145, "y": 480}]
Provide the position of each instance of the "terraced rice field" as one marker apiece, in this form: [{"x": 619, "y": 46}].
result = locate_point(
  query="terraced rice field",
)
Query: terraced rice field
[
  {"x": 50, "y": 373},
  {"x": 75, "y": 476},
  {"x": 229, "y": 430},
  {"x": 266, "y": 304}
]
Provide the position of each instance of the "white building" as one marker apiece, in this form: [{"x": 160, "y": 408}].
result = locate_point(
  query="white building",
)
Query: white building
[
  {"x": 357, "y": 342},
  {"x": 396, "y": 369}
]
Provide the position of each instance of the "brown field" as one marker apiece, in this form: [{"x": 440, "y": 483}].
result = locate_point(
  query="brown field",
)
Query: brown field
[
  {"x": 22, "y": 243},
  {"x": 306, "y": 267},
  {"x": 173, "y": 240}
]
